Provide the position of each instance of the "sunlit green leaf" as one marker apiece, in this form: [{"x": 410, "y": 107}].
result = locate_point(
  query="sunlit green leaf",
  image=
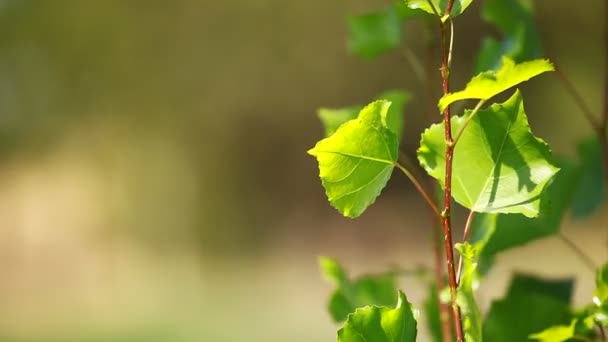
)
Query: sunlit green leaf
[
  {"x": 557, "y": 333},
  {"x": 528, "y": 307},
  {"x": 511, "y": 230},
  {"x": 356, "y": 162},
  {"x": 591, "y": 190},
  {"x": 440, "y": 6},
  {"x": 499, "y": 165},
  {"x": 491, "y": 83},
  {"x": 381, "y": 324},
  {"x": 374, "y": 33},
  {"x": 334, "y": 118}
]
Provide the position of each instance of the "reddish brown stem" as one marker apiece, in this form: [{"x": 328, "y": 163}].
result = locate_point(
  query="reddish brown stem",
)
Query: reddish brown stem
[
  {"x": 446, "y": 218},
  {"x": 444, "y": 309},
  {"x": 604, "y": 122}
]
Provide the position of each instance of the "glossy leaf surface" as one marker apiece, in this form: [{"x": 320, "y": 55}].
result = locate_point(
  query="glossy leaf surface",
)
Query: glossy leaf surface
[
  {"x": 381, "y": 324},
  {"x": 491, "y": 83},
  {"x": 356, "y": 162}
]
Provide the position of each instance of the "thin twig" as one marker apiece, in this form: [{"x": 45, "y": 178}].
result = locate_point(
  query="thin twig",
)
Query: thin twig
[
  {"x": 579, "y": 252},
  {"x": 419, "y": 187},
  {"x": 415, "y": 64},
  {"x": 443, "y": 308},
  {"x": 465, "y": 237},
  {"x": 577, "y": 97},
  {"x": 446, "y": 217},
  {"x": 602, "y": 331}
]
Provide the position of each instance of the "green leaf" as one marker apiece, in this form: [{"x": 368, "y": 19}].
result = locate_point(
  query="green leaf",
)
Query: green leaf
[
  {"x": 557, "y": 333},
  {"x": 499, "y": 165},
  {"x": 350, "y": 294},
  {"x": 591, "y": 191},
  {"x": 332, "y": 119},
  {"x": 472, "y": 319},
  {"x": 372, "y": 34},
  {"x": 491, "y": 83},
  {"x": 440, "y": 6},
  {"x": 559, "y": 289},
  {"x": 511, "y": 230},
  {"x": 527, "y": 309},
  {"x": 381, "y": 324},
  {"x": 356, "y": 162},
  {"x": 332, "y": 270},
  {"x": 521, "y": 39}
]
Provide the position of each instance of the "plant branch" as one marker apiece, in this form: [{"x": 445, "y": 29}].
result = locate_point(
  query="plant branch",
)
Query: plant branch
[
  {"x": 419, "y": 187},
  {"x": 468, "y": 121},
  {"x": 446, "y": 217},
  {"x": 443, "y": 308},
  {"x": 465, "y": 237},
  {"x": 603, "y": 129},
  {"x": 602, "y": 331},
  {"x": 577, "y": 97},
  {"x": 579, "y": 252},
  {"x": 415, "y": 64}
]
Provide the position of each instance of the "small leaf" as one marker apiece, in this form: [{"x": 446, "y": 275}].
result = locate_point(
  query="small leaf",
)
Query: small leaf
[
  {"x": 332, "y": 119},
  {"x": 350, "y": 294},
  {"x": 440, "y": 6},
  {"x": 558, "y": 333},
  {"x": 357, "y": 161},
  {"x": 591, "y": 191},
  {"x": 511, "y": 230},
  {"x": 525, "y": 311},
  {"x": 491, "y": 83},
  {"x": 332, "y": 270},
  {"x": 372, "y": 34},
  {"x": 381, "y": 324},
  {"x": 499, "y": 165},
  {"x": 472, "y": 319}
]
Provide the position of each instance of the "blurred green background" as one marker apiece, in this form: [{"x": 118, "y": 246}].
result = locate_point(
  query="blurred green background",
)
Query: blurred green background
[{"x": 154, "y": 184}]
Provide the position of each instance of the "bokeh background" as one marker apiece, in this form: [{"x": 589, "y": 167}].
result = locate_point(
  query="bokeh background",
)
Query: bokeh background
[{"x": 154, "y": 184}]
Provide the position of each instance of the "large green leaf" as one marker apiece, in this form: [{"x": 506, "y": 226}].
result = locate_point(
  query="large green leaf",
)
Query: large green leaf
[
  {"x": 511, "y": 230},
  {"x": 375, "y": 33},
  {"x": 356, "y": 162},
  {"x": 499, "y": 165},
  {"x": 591, "y": 190},
  {"x": 529, "y": 307},
  {"x": 491, "y": 83},
  {"x": 520, "y": 38},
  {"x": 472, "y": 319},
  {"x": 440, "y": 6},
  {"x": 381, "y": 324},
  {"x": 332, "y": 119},
  {"x": 351, "y": 294}
]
